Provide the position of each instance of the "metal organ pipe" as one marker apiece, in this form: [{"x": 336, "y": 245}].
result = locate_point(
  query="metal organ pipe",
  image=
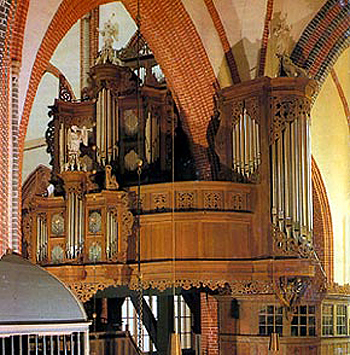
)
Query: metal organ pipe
[
  {"x": 106, "y": 127},
  {"x": 75, "y": 237},
  {"x": 112, "y": 234},
  {"x": 245, "y": 145},
  {"x": 291, "y": 180},
  {"x": 41, "y": 237}
]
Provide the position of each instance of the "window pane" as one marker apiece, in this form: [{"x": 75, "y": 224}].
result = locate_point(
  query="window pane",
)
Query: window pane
[
  {"x": 295, "y": 320},
  {"x": 302, "y": 309},
  {"x": 294, "y": 331},
  {"x": 279, "y": 320},
  {"x": 262, "y": 330},
  {"x": 262, "y": 320}
]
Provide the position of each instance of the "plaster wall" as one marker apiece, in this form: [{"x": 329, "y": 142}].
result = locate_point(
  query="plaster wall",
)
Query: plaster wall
[{"x": 330, "y": 134}]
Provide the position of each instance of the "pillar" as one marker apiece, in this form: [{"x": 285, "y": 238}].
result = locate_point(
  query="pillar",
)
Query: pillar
[{"x": 209, "y": 325}]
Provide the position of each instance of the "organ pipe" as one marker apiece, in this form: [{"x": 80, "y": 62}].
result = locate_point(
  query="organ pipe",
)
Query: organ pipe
[
  {"x": 112, "y": 234},
  {"x": 106, "y": 127},
  {"x": 291, "y": 206},
  {"x": 42, "y": 237},
  {"x": 75, "y": 237},
  {"x": 245, "y": 146}
]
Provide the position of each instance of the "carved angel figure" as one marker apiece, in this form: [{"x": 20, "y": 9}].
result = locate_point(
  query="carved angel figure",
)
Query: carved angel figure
[{"x": 75, "y": 137}]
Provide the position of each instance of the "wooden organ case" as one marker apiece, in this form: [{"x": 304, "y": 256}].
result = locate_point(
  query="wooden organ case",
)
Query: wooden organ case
[{"x": 247, "y": 233}]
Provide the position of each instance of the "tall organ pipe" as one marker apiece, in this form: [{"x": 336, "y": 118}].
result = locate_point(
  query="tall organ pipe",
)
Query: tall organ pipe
[
  {"x": 107, "y": 127},
  {"x": 75, "y": 237},
  {"x": 245, "y": 145},
  {"x": 291, "y": 180}
]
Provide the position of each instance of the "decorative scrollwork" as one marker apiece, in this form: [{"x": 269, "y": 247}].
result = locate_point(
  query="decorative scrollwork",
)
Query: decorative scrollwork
[
  {"x": 290, "y": 289},
  {"x": 65, "y": 93},
  {"x": 236, "y": 111},
  {"x": 251, "y": 287},
  {"x": 253, "y": 108},
  {"x": 286, "y": 109},
  {"x": 285, "y": 244},
  {"x": 84, "y": 290},
  {"x": 50, "y": 138},
  {"x": 233, "y": 287}
]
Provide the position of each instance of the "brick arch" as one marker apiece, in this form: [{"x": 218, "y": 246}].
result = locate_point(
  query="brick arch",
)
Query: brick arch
[
  {"x": 323, "y": 230},
  {"x": 18, "y": 29},
  {"x": 324, "y": 39},
  {"x": 177, "y": 47}
]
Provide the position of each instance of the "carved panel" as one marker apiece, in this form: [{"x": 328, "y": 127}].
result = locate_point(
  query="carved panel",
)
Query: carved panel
[
  {"x": 237, "y": 201},
  {"x": 185, "y": 200},
  {"x": 213, "y": 200},
  {"x": 57, "y": 254},
  {"x": 95, "y": 252},
  {"x": 160, "y": 201}
]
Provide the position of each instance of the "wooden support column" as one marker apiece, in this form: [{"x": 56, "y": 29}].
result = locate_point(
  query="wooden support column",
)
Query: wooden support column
[{"x": 165, "y": 322}]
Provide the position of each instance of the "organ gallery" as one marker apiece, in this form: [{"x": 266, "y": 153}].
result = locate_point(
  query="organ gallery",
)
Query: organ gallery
[{"x": 171, "y": 244}]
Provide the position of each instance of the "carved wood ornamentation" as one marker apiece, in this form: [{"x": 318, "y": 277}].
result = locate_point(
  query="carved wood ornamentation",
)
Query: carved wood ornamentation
[
  {"x": 65, "y": 93},
  {"x": 290, "y": 290},
  {"x": 286, "y": 109},
  {"x": 234, "y": 287},
  {"x": 85, "y": 290},
  {"x": 287, "y": 245}
]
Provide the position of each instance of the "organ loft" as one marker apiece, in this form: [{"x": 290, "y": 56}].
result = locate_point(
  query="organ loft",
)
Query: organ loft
[{"x": 150, "y": 250}]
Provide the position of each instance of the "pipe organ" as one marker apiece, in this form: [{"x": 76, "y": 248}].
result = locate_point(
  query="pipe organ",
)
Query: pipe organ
[
  {"x": 264, "y": 138},
  {"x": 95, "y": 144}
]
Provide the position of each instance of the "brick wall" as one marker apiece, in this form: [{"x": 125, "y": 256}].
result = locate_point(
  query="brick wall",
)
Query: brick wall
[
  {"x": 324, "y": 39},
  {"x": 5, "y": 146},
  {"x": 209, "y": 325}
]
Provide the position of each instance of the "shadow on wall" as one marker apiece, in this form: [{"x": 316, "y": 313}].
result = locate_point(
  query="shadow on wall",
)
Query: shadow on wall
[{"x": 247, "y": 55}]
